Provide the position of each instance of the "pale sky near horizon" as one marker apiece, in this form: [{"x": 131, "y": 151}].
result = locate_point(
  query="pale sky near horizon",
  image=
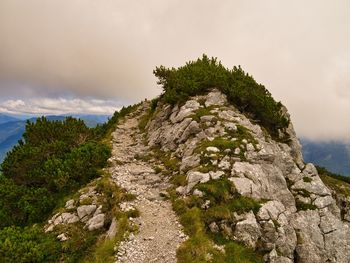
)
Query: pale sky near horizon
[{"x": 94, "y": 56}]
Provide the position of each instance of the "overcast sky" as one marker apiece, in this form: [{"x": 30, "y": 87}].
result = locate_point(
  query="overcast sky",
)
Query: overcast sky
[{"x": 94, "y": 56}]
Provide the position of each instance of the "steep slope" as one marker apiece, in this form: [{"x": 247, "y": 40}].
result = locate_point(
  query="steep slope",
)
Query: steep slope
[{"x": 297, "y": 219}]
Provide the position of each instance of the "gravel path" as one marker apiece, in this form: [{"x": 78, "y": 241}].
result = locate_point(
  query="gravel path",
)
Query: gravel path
[{"x": 159, "y": 233}]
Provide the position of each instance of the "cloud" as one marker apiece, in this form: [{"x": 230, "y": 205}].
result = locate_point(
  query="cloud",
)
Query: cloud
[
  {"x": 107, "y": 49},
  {"x": 50, "y": 106}
]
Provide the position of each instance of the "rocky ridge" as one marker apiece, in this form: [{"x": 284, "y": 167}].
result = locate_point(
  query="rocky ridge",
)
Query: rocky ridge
[{"x": 298, "y": 219}]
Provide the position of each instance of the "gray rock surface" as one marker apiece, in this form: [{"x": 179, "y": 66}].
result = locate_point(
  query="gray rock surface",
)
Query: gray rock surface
[
  {"x": 268, "y": 171},
  {"x": 96, "y": 222},
  {"x": 86, "y": 210},
  {"x": 248, "y": 231}
]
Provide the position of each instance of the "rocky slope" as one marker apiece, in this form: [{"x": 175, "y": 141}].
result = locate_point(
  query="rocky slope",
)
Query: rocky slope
[
  {"x": 298, "y": 219},
  {"x": 275, "y": 203}
]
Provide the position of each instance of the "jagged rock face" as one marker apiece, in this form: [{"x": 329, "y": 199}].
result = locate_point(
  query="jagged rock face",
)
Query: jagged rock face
[{"x": 299, "y": 220}]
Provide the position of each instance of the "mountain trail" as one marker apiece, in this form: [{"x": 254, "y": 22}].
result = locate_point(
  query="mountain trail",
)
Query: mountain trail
[{"x": 160, "y": 233}]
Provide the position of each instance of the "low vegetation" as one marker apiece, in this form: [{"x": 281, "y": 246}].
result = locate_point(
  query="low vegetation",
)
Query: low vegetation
[
  {"x": 46, "y": 168},
  {"x": 54, "y": 159},
  {"x": 197, "y": 77},
  {"x": 338, "y": 183},
  {"x": 203, "y": 245}
]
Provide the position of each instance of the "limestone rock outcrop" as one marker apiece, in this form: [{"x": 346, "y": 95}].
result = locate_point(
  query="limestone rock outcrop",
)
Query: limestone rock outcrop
[
  {"x": 299, "y": 219},
  {"x": 90, "y": 215}
]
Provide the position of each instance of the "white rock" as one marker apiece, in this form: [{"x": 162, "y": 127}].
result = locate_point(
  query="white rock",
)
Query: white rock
[
  {"x": 214, "y": 227},
  {"x": 112, "y": 231},
  {"x": 250, "y": 147},
  {"x": 86, "y": 210},
  {"x": 230, "y": 126},
  {"x": 198, "y": 193},
  {"x": 248, "y": 231},
  {"x": 68, "y": 218},
  {"x": 215, "y": 97},
  {"x": 216, "y": 175},
  {"x": 225, "y": 163},
  {"x": 194, "y": 177},
  {"x": 62, "y": 237},
  {"x": 212, "y": 149},
  {"x": 237, "y": 151},
  {"x": 96, "y": 222},
  {"x": 70, "y": 204}
]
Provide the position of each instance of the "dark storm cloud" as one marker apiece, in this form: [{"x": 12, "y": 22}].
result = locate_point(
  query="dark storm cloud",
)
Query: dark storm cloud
[{"x": 107, "y": 49}]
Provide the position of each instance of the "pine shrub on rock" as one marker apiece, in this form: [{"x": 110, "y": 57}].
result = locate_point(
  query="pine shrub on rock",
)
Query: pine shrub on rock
[{"x": 198, "y": 77}]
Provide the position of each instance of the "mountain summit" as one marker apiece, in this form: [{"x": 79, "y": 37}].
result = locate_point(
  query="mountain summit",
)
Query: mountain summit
[{"x": 210, "y": 171}]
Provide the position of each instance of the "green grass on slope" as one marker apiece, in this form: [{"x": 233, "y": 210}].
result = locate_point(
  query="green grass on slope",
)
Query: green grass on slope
[
  {"x": 202, "y": 245},
  {"x": 338, "y": 183}
]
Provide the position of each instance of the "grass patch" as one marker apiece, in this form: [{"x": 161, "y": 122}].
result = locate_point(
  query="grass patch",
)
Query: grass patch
[
  {"x": 200, "y": 247},
  {"x": 303, "y": 207},
  {"x": 171, "y": 164},
  {"x": 242, "y": 204},
  {"x": 86, "y": 201},
  {"x": 223, "y": 143},
  {"x": 218, "y": 191},
  {"x": 179, "y": 180},
  {"x": 338, "y": 183},
  {"x": 307, "y": 179},
  {"x": 219, "y": 142},
  {"x": 148, "y": 116},
  {"x": 205, "y": 111},
  {"x": 303, "y": 192}
]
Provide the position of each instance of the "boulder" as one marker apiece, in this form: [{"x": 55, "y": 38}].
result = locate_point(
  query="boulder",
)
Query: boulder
[
  {"x": 70, "y": 204},
  {"x": 212, "y": 149},
  {"x": 189, "y": 162},
  {"x": 194, "y": 177},
  {"x": 85, "y": 211},
  {"x": 248, "y": 231},
  {"x": 96, "y": 222},
  {"x": 112, "y": 231}
]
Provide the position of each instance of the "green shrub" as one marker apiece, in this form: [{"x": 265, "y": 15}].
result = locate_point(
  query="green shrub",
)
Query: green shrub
[
  {"x": 198, "y": 77},
  {"x": 28, "y": 245},
  {"x": 54, "y": 159}
]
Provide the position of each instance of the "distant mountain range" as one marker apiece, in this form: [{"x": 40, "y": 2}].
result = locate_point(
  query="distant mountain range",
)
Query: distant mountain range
[
  {"x": 333, "y": 155},
  {"x": 12, "y": 128},
  {"x": 5, "y": 118}
]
